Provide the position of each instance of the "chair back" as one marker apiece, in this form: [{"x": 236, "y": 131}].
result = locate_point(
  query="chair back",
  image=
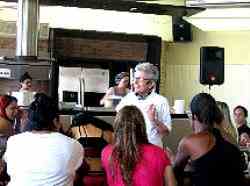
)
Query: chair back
[{"x": 180, "y": 127}]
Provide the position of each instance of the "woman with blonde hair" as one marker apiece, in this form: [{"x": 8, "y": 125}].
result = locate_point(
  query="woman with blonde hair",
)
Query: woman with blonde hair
[
  {"x": 227, "y": 128},
  {"x": 132, "y": 160}
]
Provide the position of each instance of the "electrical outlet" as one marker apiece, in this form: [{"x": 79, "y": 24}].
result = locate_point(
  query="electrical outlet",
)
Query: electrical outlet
[{"x": 5, "y": 73}]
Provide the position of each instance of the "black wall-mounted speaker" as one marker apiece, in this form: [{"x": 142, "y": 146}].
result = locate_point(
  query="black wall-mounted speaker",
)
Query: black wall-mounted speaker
[
  {"x": 182, "y": 31},
  {"x": 211, "y": 65}
]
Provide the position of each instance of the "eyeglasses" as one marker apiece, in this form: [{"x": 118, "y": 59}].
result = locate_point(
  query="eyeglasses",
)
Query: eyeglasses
[{"x": 141, "y": 79}]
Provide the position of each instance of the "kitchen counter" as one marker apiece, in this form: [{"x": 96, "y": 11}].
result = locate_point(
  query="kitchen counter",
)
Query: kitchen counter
[
  {"x": 90, "y": 110},
  {"x": 106, "y": 114}
]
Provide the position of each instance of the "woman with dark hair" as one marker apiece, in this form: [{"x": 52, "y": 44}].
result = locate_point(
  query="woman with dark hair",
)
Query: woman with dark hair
[
  {"x": 119, "y": 90},
  {"x": 132, "y": 160},
  {"x": 90, "y": 131},
  {"x": 26, "y": 82},
  {"x": 213, "y": 161},
  {"x": 8, "y": 112},
  {"x": 42, "y": 156},
  {"x": 93, "y": 134}
]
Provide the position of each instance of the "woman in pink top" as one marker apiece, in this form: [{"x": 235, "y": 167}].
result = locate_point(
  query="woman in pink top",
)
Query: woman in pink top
[{"x": 131, "y": 160}]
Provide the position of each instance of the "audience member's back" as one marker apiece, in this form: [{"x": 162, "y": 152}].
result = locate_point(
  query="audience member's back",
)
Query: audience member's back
[
  {"x": 214, "y": 161},
  {"x": 131, "y": 160},
  {"x": 42, "y": 159},
  {"x": 42, "y": 156},
  {"x": 93, "y": 134},
  {"x": 220, "y": 166}
]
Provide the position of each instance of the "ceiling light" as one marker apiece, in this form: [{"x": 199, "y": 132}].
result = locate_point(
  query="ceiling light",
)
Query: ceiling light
[{"x": 221, "y": 19}]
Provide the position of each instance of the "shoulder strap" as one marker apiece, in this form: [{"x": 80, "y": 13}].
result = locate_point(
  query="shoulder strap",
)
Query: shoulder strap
[
  {"x": 85, "y": 131},
  {"x": 102, "y": 136}
]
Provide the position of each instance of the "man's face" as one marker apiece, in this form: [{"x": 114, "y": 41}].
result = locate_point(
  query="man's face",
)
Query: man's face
[
  {"x": 239, "y": 116},
  {"x": 142, "y": 82}
]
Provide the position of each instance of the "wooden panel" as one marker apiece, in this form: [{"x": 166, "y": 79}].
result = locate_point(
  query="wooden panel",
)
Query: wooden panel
[{"x": 100, "y": 49}]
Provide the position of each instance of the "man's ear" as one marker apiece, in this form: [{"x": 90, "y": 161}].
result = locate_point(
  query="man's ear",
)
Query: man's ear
[{"x": 152, "y": 85}]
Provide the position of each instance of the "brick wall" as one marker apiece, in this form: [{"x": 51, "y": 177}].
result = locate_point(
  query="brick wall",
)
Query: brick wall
[
  {"x": 87, "y": 48},
  {"x": 10, "y": 43},
  {"x": 101, "y": 49}
]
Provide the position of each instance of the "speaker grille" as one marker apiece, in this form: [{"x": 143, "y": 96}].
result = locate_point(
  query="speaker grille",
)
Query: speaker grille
[{"x": 211, "y": 65}]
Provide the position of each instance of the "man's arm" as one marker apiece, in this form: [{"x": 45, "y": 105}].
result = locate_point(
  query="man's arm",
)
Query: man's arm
[{"x": 161, "y": 127}]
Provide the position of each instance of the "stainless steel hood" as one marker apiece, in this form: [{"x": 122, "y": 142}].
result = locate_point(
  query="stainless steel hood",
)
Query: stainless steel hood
[
  {"x": 27, "y": 29},
  {"x": 39, "y": 70},
  {"x": 27, "y": 35}
]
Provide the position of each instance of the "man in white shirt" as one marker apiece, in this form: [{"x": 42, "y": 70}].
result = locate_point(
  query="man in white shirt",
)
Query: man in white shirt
[{"x": 154, "y": 107}]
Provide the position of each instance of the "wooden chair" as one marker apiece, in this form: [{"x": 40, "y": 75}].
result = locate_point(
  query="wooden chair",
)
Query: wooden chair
[
  {"x": 180, "y": 128},
  {"x": 93, "y": 175}
]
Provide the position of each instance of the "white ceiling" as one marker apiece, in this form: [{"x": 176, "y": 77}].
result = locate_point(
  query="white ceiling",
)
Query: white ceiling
[
  {"x": 8, "y": 10},
  {"x": 95, "y": 19},
  {"x": 212, "y": 19},
  {"x": 222, "y": 19}
]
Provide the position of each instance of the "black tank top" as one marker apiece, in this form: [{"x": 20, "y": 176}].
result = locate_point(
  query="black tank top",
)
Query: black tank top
[
  {"x": 92, "y": 145},
  {"x": 220, "y": 166}
]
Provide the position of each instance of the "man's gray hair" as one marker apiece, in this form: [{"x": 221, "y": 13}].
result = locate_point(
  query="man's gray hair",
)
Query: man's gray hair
[{"x": 149, "y": 69}]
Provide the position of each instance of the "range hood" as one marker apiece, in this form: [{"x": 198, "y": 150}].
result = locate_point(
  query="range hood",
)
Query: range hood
[
  {"x": 26, "y": 59},
  {"x": 27, "y": 29}
]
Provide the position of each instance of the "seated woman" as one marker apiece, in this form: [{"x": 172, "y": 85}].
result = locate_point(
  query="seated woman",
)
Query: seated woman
[
  {"x": 119, "y": 91},
  {"x": 227, "y": 129},
  {"x": 213, "y": 161},
  {"x": 94, "y": 134},
  {"x": 8, "y": 112},
  {"x": 42, "y": 156},
  {"x": 132, "y": 160}
]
